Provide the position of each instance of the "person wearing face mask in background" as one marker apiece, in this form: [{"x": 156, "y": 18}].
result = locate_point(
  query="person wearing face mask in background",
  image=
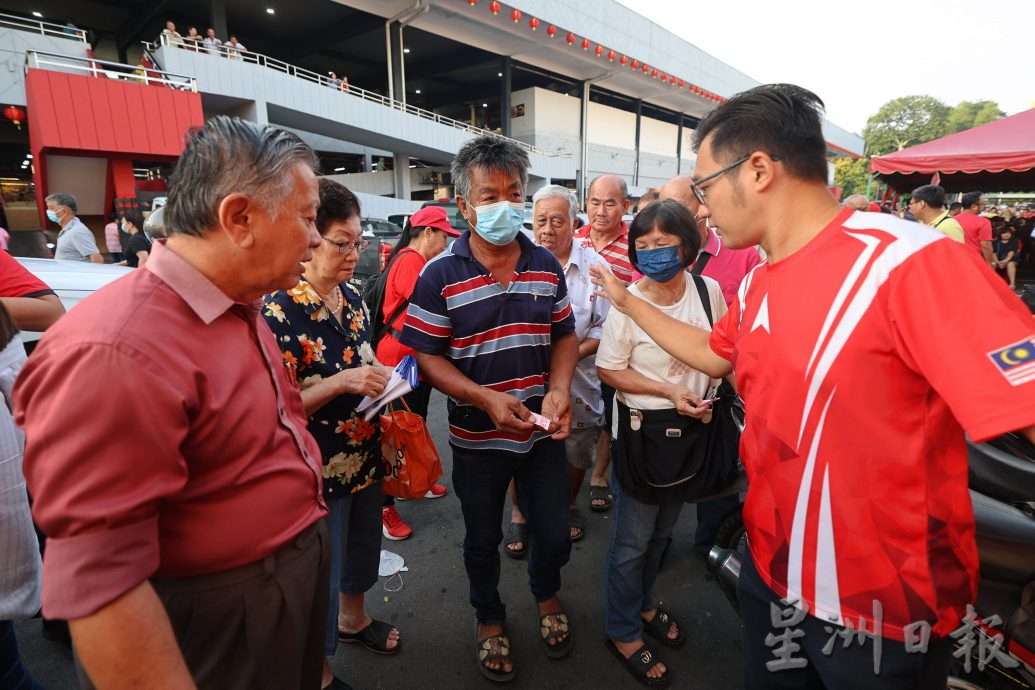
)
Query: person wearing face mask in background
[
  {"x": 663, "y": 242},
  {"x": 492, "y": 328},
  {"x": 75, "y": 242}
]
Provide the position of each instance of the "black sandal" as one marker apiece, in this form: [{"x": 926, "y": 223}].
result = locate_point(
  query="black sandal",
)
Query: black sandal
[
  {"x": 547, "y": 633},
  {"x": 517, "y": 534},
  {"x": 576, "y": 522},
  {"x": 601, "y": 493},
  {"x": 374, "y": 637},
  {"x": 639, "y": 664},
  {"x": 495, "y": 648},
  {"x": 658, "y": 627}
]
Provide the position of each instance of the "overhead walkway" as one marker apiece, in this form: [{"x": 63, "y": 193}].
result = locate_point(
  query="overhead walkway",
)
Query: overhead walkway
[{"x": 269, "y": 90}]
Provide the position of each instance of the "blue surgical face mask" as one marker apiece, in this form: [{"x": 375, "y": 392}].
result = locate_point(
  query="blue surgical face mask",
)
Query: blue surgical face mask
[
  {"x": 661, "y": 264},
  {"x": 53, "y": 216},
  {"x": 499, "y": 223}
]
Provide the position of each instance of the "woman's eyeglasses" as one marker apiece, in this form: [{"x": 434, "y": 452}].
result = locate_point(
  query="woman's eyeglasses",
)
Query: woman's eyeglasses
[{"x": 345, "y": 247}]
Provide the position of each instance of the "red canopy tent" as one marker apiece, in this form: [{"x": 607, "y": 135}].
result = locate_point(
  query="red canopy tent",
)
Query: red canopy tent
[{"x": 999, "y": 156}]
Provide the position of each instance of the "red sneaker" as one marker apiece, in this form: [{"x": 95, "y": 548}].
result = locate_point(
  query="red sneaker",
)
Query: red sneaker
[
  {"x": 436, "y": 491},
  {"x": 392, "y": 526}
]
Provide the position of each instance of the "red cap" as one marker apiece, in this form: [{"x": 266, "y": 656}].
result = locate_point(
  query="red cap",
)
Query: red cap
[
  {"x": 874, "y": 207},
  {"x": 433, "y": 217}
]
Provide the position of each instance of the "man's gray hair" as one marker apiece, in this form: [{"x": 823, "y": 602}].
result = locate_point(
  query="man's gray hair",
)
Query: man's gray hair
[
  {"x": 64, "y": 199},
  {"x": 490, "y": 153},
  {"x": 231, "y": 156},
  {"x": 621, "y": 184},
  {"x": 555, "y": 191}
]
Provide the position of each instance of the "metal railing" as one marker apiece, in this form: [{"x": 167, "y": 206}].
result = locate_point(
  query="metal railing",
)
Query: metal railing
[
  {"x": 43, "y": 28},
  {"x": 242, "y": 55},
  {"x": 112, "y": 70}
]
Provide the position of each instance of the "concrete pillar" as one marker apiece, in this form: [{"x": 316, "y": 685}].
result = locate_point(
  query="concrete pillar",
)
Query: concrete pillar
[
  {"x": 636, "y": 162},
  {"x": 581, "y": 182},
  {"x": 254, "y": 111},
  {"x": 398, "y": 76},
  {"x": 679, "y": 146},
  {"x": 403, "y": 188},
  {"x": 368, "y": 162},
  {"x": 217, "y": 20},
  {"x": 505, "y": 88}
]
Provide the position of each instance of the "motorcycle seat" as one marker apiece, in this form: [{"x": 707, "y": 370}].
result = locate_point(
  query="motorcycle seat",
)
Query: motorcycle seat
[
  {"x": 1006, "y": 541},
  {"x": 1003, "y": 468}
]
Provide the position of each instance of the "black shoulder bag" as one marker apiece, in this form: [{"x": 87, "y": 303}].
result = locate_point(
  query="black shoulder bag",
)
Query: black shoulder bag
[{"x": 662, "y": 457}]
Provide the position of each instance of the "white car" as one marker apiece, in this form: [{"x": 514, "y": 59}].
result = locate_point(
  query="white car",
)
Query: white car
[{"x": 72, "y": 281}]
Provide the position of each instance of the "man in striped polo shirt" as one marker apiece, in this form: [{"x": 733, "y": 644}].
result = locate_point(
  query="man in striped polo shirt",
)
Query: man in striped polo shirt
[
  {"x": 606, "y": 203},
  {"x": 490, "y": 322}
]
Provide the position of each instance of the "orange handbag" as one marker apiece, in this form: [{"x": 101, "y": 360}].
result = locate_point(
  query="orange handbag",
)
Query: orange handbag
[{"x": 411, "y": 461}]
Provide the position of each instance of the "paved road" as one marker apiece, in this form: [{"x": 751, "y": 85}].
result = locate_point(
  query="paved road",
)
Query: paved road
[{"x": 437, "y": 622}]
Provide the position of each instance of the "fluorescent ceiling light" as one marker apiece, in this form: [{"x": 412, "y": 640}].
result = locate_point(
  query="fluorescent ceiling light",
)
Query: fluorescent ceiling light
[
  {"x": 499, "y": 74},
  {"x": 406, "y": 50},
  {"x": 418, "y": 91},
  {"x": 270, "y": 10},
  {"x": 485, "y": 105},
  {"x": 38, "y": 15},
  {"x": 339, "y": 170}
]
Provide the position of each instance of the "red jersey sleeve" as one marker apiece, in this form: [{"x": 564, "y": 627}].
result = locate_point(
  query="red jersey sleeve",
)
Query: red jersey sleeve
[
  {"x": 724, "y": 333},
  {"x": 401, "y": 281},
  {"x": 16, "y": 281},
  {"x": 959, "y": 325}
]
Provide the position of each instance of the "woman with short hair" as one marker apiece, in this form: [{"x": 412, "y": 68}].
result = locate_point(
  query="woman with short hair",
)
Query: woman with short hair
[
  {"x": 663, "y": 241},
  {"x": 323, "y": 327}
]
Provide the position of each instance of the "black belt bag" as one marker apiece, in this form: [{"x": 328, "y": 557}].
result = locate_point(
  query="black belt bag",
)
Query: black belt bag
[{"x": 661, "y": 456}]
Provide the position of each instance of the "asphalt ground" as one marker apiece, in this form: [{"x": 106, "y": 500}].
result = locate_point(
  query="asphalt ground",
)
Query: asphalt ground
[{"x": 437, "y": 622}]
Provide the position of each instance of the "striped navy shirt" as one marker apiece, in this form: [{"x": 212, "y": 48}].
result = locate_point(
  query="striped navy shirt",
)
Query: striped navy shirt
[{"x": 497, "y": 337}]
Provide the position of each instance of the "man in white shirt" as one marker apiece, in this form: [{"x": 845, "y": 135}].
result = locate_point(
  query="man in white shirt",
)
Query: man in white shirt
[
  {"x": 212, "y": 44},
  {"x": 75, "y": 242}
]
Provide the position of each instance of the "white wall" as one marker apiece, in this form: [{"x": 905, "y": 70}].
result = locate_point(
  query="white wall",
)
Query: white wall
[{"x": 13, "y": 45}]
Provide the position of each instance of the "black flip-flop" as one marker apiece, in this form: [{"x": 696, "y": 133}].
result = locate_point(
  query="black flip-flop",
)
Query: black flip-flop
[
  {"x": 547, "y": 633},
  {"x": 576, "y": 521},
  {"x": 374, "y": 637},
  {"x": 516, "y": 534},
  {"x": 639, "y": 664},
  {"x": 658, "y": 627},
  {"x": 601, "y": 493},
  {"x": 485, "y": 653}
]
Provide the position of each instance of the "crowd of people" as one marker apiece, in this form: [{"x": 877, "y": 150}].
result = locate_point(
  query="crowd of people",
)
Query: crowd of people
[
  {"x": 209, "y": 43},
  {"x": 248, "y": 539}
]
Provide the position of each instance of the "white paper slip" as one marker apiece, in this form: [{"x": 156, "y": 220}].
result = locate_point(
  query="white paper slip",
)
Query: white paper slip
[{"x": 541, "y": 421}]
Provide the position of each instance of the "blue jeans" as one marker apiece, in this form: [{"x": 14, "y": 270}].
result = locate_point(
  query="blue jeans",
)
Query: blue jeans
[
  {"x": 13, "y": 676},
  {"x": 354, "y": 528},
  {"x": 638, "y": 538},
  {"x": 480, "y": 479}
]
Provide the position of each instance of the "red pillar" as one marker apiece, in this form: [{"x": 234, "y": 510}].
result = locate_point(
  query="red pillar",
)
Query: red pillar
[{"x": 123, "y": 183}]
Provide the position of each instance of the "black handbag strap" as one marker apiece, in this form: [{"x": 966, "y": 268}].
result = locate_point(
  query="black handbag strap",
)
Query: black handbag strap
[
  {"x": 702, "y": 291},
  {"x": 702, "y": 261}
]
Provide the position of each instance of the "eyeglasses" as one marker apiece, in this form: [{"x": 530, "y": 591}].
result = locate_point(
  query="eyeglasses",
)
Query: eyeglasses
[
  {"x": 913, "y": 201},
  {"x": 696, "y": 185},
  {"x": 345, "y": 247}
]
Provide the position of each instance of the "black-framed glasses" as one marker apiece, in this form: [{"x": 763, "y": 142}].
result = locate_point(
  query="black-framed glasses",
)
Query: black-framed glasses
[
  {"x": 345, "y": 247},
  {"x": 695, "y": 185}
]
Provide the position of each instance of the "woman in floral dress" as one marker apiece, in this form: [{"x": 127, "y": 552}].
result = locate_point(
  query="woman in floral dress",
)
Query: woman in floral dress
[{"x": 322, "y": 326}]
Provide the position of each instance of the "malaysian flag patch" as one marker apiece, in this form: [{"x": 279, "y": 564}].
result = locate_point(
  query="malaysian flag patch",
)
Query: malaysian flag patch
[{"x": 1016, "y": 362}]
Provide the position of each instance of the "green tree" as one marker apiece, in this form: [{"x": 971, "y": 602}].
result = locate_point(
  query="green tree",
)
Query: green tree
[
  {"x": 851, "y": 175},
  {"x": 968, "y": 114},
  {"x": 905, "y": 121}
]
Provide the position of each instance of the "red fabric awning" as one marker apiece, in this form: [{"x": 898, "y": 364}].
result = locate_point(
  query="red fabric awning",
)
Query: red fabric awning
[{"x": 998, "y": 156}]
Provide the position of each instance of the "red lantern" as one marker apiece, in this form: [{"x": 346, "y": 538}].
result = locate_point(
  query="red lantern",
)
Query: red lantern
[
  {"x": 635, "y": 64},
  {"x": 623, "y": 61},
  {"x": 664, "y": 77},
  {"x": 472, "y": 3},
  {"x": 610, "y": 56},
  {"x": 654, "y": 73},
  {"x": 551, "y": 31},
  {"x": 515, "y": 15},
  {"x": 646, "y": 68},
  {"x": 585, "y": 44},
  {"x": 599, "y": 50},
  {"x": 671, "y": 79},
  {"x": 682, "y": 83},
  {"x": 571, "y": 39},
  {"x": 15, "y": 114},
  {"x": 494, "y": 7},
  {"x": 533, "y": 23}
]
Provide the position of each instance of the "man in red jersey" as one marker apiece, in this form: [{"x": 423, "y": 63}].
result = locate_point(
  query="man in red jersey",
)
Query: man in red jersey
[
  {"x": 858, "y": 512},
  {"x": 976, "y": 228}
]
